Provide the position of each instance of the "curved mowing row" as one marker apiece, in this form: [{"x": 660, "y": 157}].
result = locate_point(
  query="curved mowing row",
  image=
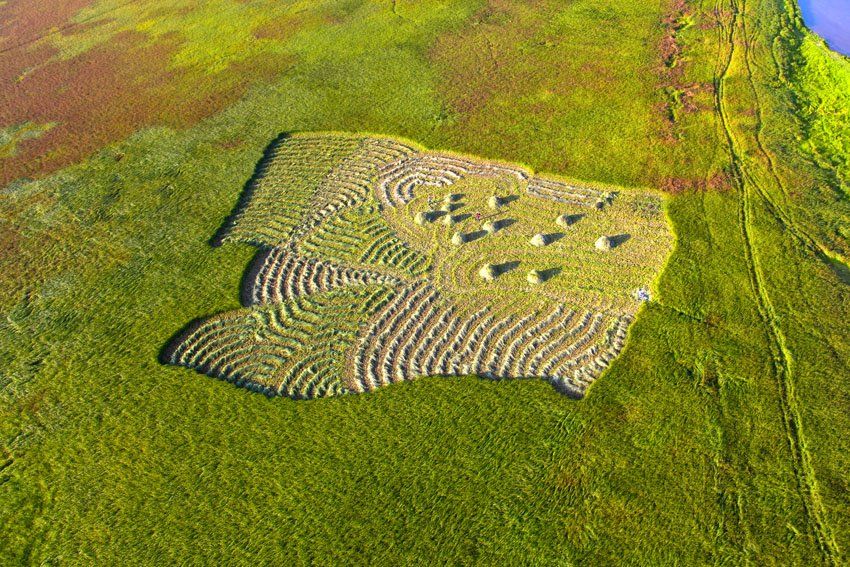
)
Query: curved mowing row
[
  {"x": 399, "y": 180},
  {"x": 296, "y": 348},
  {"x": 350, "y": 182},
  {"x": 361, "y": 236},
  {"x": 284, "y": 275},
  {"x": 307, "y": 178},
  {"x": 419, "y": 333},
  {"x": 332, "y": 304},
  {"x": 562, "y": 192}
]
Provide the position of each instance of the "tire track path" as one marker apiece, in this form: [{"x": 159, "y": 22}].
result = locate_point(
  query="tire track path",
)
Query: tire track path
[{"x": 782, "y": 359}]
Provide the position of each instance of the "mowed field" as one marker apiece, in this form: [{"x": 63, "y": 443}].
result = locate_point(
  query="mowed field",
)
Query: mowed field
[{"x": 718, "y": 436}]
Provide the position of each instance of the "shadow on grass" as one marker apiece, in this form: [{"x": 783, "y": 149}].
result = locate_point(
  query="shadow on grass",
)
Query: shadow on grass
[
  {"x": 573, "y": 219},
  {"x": 619, "y": 239},
  {"x": 554, "y": 237},
  {"x": 841, "y": 270},
  {"x": 475, "y": 235},
  {"x": 248, "y": 191},
  {"x": 506, "y": 267},
  {"x": 559, "y": 386},
  {"x": 249, "y": 277},
  {"x": 550, "y": 273},
  {"x": 166, "y": 353}
]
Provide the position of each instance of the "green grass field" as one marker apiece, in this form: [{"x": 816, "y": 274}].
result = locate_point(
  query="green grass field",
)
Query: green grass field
[{"x": 719, "y": 435}]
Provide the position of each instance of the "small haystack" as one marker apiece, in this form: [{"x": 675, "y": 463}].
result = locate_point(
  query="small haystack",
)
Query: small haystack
[
  {"x": 449, "y": 220},
  {"x": 604, "y": 243},
  {"x": 423, "y": 218},
  {"x": 490, "y": 227},
  {"x": 564, "y": 221},
  {"x": 488, "y": 272},
  {"x": 458, "y": 238},
  {"x": 539, "y": 240},
  {"x": 534, "y": 277},
  {"x": 450, "y": 198},
  {"x": 495, "y": 202}
]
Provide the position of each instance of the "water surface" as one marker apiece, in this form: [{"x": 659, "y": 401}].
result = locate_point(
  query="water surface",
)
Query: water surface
[{"x": 830, "y": 19}]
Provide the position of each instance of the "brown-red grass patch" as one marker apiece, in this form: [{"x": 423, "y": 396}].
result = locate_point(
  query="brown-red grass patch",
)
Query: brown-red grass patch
[{"x": 107, "y": 93}]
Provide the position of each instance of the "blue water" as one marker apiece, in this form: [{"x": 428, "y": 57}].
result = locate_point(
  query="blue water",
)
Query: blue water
[{"x": 830, "y": 19}]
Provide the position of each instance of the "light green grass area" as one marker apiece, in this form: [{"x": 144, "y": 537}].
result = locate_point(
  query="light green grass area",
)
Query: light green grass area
[{"x": 718, "y": 436}]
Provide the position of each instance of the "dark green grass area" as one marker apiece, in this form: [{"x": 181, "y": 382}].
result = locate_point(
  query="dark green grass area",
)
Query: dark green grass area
[{"x": 684, "y": 452}]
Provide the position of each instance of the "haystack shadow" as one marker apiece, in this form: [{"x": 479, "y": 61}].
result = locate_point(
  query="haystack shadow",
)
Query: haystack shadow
[
  {"x": 475, "y": 235},
  {"x": 549, "y": 273},
  {"x": 619, "y": 239},
  {"x": 506, "y": 267}
]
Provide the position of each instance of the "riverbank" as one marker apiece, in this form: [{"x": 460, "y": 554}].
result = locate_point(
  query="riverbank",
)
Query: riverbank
[{"x": 830, "y": 19}]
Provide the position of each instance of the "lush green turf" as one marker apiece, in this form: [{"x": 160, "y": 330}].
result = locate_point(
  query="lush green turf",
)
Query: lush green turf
[{"x": 719, "y": 436}]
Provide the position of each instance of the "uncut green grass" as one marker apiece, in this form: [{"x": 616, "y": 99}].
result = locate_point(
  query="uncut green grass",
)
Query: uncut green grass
[{"x": 678, "y": 454}]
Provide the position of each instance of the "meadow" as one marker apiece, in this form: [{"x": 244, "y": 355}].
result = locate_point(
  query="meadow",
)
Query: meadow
[{"x": 719, "y": 435}]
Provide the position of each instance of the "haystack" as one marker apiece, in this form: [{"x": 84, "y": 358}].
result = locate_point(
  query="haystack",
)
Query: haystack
[
  {"x": 450, "y": 198},
  {"x": 488, "y": 272},
  {"x": 534, "y": 277},
  {"x": 423, "y": 218},
  {"x": 490, "y": 227},
  {"x": 604, "y": 243},
  {"x": 539, "y": 240},
  {"x": 458, "y": 238},
  {"x": 495, "y": 202},
  {"x": 449, "y": 220},
  {"x": 564, "y": 221}
]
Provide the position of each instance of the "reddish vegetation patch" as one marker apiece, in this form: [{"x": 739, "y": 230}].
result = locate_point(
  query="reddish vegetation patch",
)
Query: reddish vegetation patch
[
  {"x": 279, "y": 29},
  {"x": 509, "y": 71},
  {"x": 10, "y": 242},
  {"x": 720, "y": 181},
  {"x": 25, "y": 21},
  {"x": 106, "y": 94},
  {"x": 671, "y": 68}
]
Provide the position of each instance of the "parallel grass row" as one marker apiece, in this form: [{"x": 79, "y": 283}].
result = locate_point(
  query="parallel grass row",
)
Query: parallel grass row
[
  {"x": 294, "y": 348},
  {"x": 306, "y": 178},
  {"x": 420, "y": 333},
  {"x": 283, "y": 275},
  {"x": 563, "y": 193},
  {"x": 279, "y": 196},
  {"x": 362, "y": 236},
  {"x": 399, "y": 180}
]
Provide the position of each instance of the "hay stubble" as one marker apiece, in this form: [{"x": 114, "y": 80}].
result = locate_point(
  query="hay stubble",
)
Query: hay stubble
[{"x": 361, "y": 283}]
